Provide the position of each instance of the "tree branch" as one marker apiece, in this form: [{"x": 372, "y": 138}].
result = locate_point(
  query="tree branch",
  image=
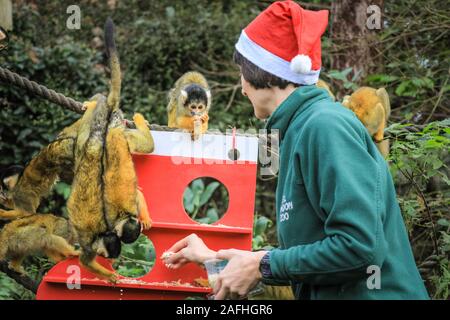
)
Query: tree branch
[{"x": 23, "y": 280}]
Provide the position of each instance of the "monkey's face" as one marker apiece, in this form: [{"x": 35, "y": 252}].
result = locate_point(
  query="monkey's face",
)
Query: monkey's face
[
  {"x": 128, "y": 229},
  {"x": 107, "y": 245},
  {"x": 5, "y": 198},
  {"x": 195, "y": 99}
]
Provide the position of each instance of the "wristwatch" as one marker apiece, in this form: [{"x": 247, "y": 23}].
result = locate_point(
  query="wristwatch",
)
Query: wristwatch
[{"x": 264, "y": 266}]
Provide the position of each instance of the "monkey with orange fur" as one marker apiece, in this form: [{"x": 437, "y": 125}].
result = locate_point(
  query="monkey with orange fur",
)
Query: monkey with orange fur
[
  {"x": 373, "y": 108},
  {"x": 189, "y": 104}
]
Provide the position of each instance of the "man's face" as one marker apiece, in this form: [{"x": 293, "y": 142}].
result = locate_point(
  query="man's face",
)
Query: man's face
[{"x": 259, "y": 98}]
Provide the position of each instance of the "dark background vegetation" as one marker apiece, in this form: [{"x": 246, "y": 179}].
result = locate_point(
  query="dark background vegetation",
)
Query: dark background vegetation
[{"x": 160, "y": 40}]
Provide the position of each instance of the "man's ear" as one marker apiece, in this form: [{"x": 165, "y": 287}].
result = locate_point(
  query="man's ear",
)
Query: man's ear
[{"x": 11, "y": 181}]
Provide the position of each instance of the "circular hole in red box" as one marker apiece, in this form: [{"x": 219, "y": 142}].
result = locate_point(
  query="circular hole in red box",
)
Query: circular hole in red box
[
  {"x": 205, "y": 200},
  {"x": 136, "y": 259}
]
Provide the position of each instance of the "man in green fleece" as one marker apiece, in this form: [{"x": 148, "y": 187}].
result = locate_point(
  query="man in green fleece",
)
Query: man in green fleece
[{"x": 339, "y": 225}]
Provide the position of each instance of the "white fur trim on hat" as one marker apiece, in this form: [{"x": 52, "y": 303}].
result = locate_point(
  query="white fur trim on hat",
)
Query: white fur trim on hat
[
  {"x": 271, "y": 63},
  {"x": 301, "y": 64}
]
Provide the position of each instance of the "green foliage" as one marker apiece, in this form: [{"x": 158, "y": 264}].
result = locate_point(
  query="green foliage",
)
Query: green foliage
[
  {"x": 136, "y": 259},
  {"x": 200, "y": 204},
  {"x": 35, "y": 267},
  {"x": 10, "y": 290},
  {"x": 260, "y": 227},
  {"x": 420, "y": 163},
  {"x": 342, "y": 76},
  {"x": 414, "y": 47}
]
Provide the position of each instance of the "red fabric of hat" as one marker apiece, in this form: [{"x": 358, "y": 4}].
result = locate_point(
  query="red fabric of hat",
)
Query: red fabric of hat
[{"x": 287, "y": 31}]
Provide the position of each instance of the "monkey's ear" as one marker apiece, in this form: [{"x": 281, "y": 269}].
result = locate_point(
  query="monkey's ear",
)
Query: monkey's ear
[
  {"x": 346, "y": 101},
  {"x": 107, "y": 245},
  {"x": 209, "y": 100},
  {"x": 10, "y": 176},
  {"x": 384, "y": 97},
  {"x": 170, "y": 94},
  {"x": 11, "y": 181},
  {"x": 3, "y": 39},
  {"x": 183, "y": 96},
  {"x": 130, "y": 229}
]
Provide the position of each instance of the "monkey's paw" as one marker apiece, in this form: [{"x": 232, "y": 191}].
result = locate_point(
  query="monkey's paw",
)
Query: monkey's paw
[
  {"x": 204, "y": 117},
  {"x": 74, "y": 253},
  {"x": 147, "y": 223},
  {"x": 89, "y": 104},
  {"x": 18, "y": 269},
  {"x": 113, "y": 278}
]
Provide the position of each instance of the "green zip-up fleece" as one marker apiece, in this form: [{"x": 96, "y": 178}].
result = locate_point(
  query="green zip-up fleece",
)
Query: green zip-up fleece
[{"x": 338, "y": 219}]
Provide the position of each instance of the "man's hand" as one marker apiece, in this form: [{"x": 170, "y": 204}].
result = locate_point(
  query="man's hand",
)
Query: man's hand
[
  {"x": 240, "y": 275},
  {"x": 189, "y": 249}
]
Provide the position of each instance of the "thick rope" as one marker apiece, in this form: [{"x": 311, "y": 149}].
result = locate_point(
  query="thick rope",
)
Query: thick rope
[
  {"x": 40, "y": 90},
  {"x": 13, "y": 78}
]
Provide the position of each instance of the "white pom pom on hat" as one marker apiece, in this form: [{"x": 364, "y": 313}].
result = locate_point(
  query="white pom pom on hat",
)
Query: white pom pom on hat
[{"x": 301, "y": 64}]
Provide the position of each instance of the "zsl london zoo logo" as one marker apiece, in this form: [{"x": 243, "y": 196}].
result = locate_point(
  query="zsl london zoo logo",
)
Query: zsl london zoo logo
[{"x": 285, "y": 208}]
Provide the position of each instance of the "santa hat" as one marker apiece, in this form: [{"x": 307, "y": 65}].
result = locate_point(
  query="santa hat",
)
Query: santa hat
[{"x": 284, "y": 40}]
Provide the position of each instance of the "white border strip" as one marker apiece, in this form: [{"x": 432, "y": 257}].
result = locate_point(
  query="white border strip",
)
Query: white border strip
[
  {"x": 208, "y": 146},
  {"x": 272, "y": 63}
]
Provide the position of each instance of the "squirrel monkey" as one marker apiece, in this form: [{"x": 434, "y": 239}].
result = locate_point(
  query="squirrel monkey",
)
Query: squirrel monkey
[
  {"x": 322, "y": 84},
  {"x": 125, "y": 204},
  {"x": 373, "y": 108},
  {"x": 104, "y": 202},
  {"x": 86, "y": 202},
  {"x": 37, "y": 234},
  {"x": 189, "y": 104},
  {"x": 25, "y": 189}
]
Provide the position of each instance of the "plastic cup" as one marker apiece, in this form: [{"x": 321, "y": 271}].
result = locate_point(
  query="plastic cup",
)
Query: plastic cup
[{"x": 213, "y": 268}]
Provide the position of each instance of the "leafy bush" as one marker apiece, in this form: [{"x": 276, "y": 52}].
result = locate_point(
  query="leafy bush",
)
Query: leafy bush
[
  {"x": 419, "y": 164},
  {"x": 260, "y": 228},
  {"x": 202, "y": 203},
  {"x": 136, "y": 259}
]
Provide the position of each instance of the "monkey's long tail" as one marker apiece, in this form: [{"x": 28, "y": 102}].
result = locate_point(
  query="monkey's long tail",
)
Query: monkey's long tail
[{"x": 111, "y": 51}]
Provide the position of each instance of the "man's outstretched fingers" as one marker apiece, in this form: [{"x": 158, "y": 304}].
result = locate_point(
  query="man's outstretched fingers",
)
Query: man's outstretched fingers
[
  {"x": 182, "y": 243},
  {"x": 181, "y": 262},
  {"x": 175, "y": 258}
]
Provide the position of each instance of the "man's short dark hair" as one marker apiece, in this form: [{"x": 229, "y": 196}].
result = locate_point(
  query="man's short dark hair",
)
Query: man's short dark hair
[{"x": 257, "y": 77}]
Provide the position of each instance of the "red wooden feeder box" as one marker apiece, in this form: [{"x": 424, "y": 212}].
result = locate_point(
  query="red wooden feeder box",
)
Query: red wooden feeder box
[{"x": 163, "y": 177}]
